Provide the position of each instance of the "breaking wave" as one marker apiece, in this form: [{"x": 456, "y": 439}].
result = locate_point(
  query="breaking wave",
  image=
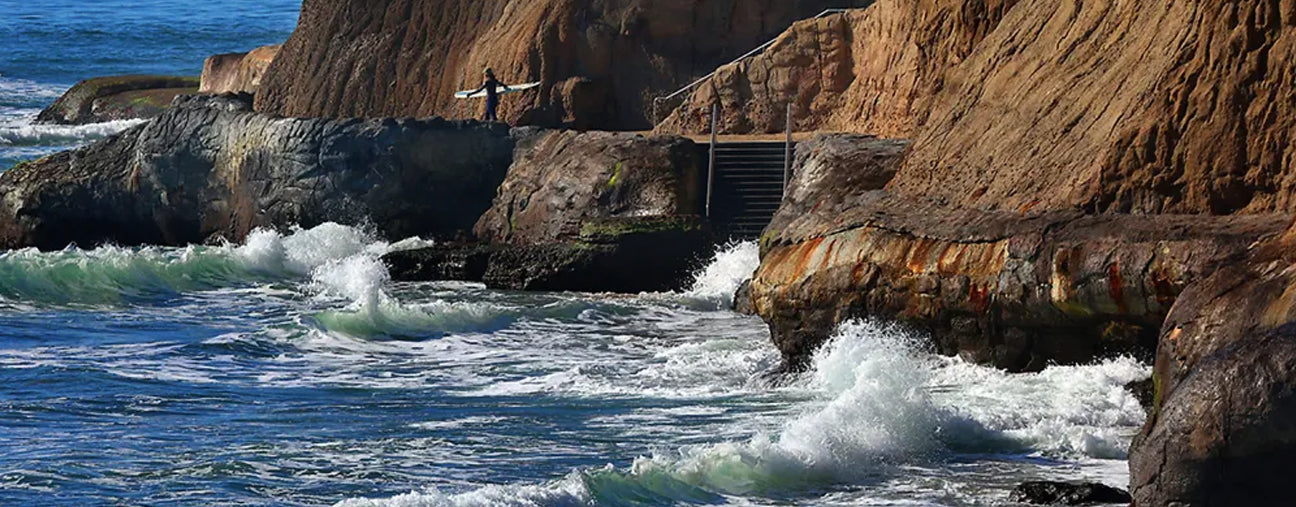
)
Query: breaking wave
[
  {"x": 876, "y": 404},
  {"x": 27, "y": 134}
]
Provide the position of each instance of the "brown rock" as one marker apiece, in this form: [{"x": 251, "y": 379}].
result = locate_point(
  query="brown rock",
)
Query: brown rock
[
  {"x": 354, "y": 58},
  {"x": 562, "y": 181},
  {"x": 1141, "y": 106},
  {"x": 104, "y": 99},
  {"x": 237, "y": 72},
  {"x": 1222, "y": 429},
  {"x": 871, "y": 70}
]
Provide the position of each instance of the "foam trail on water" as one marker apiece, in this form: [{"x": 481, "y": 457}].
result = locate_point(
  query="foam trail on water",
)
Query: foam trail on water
[
  {"x": 876, "y": 404},
  {"x": 732, "y": 265}
]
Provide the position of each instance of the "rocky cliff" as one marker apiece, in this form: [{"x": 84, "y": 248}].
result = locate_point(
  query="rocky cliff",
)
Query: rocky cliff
[
  {"x": 211, "y": 167},
  {"x": 112, "y": 98},
  {"x": 600, "y": 62},
  {"x": 1017, "y": 291},
  {"x": 1140, "y": 107},
  {"x": 873, "y": 70},
  {"x": 237, "y": 72}
]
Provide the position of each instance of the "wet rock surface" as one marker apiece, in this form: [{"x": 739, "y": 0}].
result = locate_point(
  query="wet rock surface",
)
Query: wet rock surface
[
  {"x": 1062, "y": 493},
  {"x": 113, "y": 98},
  {"x": 211, "y": 168},
  {"x": 1221, "y": 431}
]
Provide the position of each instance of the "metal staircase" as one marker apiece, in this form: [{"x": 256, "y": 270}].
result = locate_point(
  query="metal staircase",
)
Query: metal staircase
[{"x": 747, "y": 186}]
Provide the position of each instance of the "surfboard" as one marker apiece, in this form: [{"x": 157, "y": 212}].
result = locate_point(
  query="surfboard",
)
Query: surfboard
[{"x": 511, "y": 89}]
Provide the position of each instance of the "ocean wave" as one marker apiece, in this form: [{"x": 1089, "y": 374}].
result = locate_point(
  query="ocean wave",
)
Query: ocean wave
[
  {"x": 731, "y": 266},
  {"x": 115, "y": 275},
  {"x": 877, "y": 407},
  {"x": 27, "y": 134}
]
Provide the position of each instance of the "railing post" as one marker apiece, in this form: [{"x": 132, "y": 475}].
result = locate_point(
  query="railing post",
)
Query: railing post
[
  {"x": 715, "y": 114},
  {"x": 787, "y": 153}
]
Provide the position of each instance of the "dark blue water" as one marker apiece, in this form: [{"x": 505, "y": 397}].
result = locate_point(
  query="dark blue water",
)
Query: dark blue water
[
  {"x": 46, "y": 46},
  {"x": 291, "y": 371}
]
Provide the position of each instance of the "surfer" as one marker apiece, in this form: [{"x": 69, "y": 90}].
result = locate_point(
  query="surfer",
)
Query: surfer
[{"x": 491, "y": 87}]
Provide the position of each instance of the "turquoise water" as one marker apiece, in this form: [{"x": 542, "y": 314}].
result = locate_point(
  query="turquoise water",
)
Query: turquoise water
[{"x": 289, "y": 370}]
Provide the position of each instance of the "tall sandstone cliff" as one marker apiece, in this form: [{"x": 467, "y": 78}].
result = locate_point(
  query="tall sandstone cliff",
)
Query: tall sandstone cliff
[
  {"x": 872, "y": 70},
  {"x": 1132, "y": 106},
  {"x": 600, "y": 62}
]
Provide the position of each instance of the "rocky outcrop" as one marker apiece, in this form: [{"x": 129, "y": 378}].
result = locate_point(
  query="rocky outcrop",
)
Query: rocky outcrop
[
  {"x": 1062, "y": 493},
  {"x": 599, "y": 62},
  {"x": 237, "y": 72},
  {"x": 211, "y": 168},
  {"x": 104, "y": 99},
  {"x": 561, "y": 180},
  {"x": 587, "y": 212},
  {"x": 1221, "y": 431},
  {"x": 873, "y": 70},
  {"x": 1140, "y": 107},
  {"x": 1018, "y": 292}
]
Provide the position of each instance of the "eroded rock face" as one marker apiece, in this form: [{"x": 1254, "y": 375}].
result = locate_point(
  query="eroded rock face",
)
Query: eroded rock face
[
  {"x": 237, "y": 72},
  {"x": 597, "y": 212},
  {"x": 361, "y": 58},
  {"x": 1223, "y": 428},
  {"x": 561, "y": 180},
  {"x": 873, "y": 70},
  {"x": 1139, "y": 106},
  {"x": 212, "y": 168},
  {"x": 1016, "y": 291},
  {"x": 105, "y": 99},
  {"x": 1062, "y": 493}
]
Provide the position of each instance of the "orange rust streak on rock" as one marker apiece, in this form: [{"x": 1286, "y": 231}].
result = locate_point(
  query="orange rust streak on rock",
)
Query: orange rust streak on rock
[{"x": 1115, "y": 287}]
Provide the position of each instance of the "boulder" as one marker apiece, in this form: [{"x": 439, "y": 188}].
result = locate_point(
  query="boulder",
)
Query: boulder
[
  {"x": 105, "y": 99},
  {"x": 237, "y": 72},
  {"x": 560, "y": 180},
  {"x": 1062, "y": 493},
  {"x": 873, "y": 70},
  {"x": 595, "y": 212},
  {"x": 211, "y": 168},
  {"x": 1223, "y": 425},
  {"x": 360, "y": 58}
]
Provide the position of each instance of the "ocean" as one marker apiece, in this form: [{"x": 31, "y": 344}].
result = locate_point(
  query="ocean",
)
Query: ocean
[{"x": 290, "y": 370}]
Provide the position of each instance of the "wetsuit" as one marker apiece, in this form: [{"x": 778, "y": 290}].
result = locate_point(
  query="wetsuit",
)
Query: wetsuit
[{"x": 492, "y": 86}]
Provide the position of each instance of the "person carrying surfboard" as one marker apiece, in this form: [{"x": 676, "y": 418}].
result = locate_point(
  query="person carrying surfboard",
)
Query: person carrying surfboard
[{"x": 491, "y": 87}]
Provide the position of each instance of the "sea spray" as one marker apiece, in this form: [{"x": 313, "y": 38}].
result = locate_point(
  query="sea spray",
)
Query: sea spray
[
  {"x": 732, "y": 265},
  {"x": 875, "y": 407}
]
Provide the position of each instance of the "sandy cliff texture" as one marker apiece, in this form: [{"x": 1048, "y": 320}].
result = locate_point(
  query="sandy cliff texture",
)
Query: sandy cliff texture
[
  {"x": 871, "y": 70},
  {"x": 237, "y": 72},
  {"x": 599, "y": 61},
  {"x": 1135, "y": 106}
]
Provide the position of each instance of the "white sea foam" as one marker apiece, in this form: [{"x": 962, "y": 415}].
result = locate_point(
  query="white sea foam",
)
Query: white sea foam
[
  {"x": 876, "y": 407},
  {"x": 27, "y": 134},
  {"x": 731, "y": 266}
]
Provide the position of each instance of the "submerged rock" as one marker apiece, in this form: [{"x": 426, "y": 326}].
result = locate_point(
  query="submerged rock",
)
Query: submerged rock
[
  {"x": 211, "y": 168},
  {"x": 105, "y": 99},
  {"x": 1061, "y": 493}
]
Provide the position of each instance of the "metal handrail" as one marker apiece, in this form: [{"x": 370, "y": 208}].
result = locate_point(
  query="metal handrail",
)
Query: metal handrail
[{"x": 657, "y": 101}]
